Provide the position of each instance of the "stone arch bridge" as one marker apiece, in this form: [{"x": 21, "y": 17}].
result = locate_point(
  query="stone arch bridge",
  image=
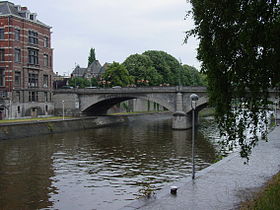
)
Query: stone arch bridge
[{"x": 90, "y": 102}]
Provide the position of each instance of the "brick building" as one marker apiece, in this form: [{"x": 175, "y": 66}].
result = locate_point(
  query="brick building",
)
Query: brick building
[{"x": 26, "y": 70}]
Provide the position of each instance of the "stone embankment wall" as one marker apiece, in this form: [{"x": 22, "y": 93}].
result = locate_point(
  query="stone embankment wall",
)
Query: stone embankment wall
[
  {"x": 19, "y": 130},
  {"x": 27, "y": 129}
]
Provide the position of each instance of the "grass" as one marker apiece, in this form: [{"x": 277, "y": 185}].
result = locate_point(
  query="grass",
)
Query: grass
[
  {"x": 207, "y": 112},
  {"x": 32, "y": 119},
  {"x": 267, "y": 199},
  {"x": 140, "y": 112}
]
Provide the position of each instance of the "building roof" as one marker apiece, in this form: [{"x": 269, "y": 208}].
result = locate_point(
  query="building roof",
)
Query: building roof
[
  {"x": 9, "y": 9},
  {"x": 104, "y": 67},
  {"x": 94, "y": 67},
  {"x": 78, "y": 71}
]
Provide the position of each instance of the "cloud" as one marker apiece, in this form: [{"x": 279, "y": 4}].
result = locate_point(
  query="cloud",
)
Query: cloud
[{"x": 116, "y": 28}]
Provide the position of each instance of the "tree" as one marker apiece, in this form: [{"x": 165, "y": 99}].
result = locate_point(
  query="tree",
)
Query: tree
[
  {"x": 140, "y": 67},
  {"x": 79, "y": 82},
  {"x": 117, "y": 75},
  {"x": 190, "y": 76},
  {"x": 166, "y": 65},
  {"x": 240, "y": 53},
  {"x": 91, "y": 57},
  {"x": 94, "y": 81}
]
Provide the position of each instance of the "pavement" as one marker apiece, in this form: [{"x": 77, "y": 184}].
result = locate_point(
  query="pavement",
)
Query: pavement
[{"x": 223, "y": 185}]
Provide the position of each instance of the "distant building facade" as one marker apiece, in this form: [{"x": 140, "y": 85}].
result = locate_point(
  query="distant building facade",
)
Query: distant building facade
[
  {"x": 60, "y": 81},
  {"x": 26, "y": 67},
  {"x": 94, "y": 70}
]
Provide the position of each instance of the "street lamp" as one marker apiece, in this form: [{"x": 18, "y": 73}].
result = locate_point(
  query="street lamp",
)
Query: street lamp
[
  {"x": 62, "y": 109},
  {"x": 275, "y": 113},
  {"x": 194, "y": 99}
]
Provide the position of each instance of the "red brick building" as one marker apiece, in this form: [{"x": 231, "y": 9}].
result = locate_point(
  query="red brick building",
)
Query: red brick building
[{"x": 26, "y": 67}]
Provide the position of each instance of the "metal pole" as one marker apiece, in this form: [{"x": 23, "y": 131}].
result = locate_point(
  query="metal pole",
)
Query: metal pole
[
  {"x": 194, "y": 99},
  {"x": 62, "y": 109},
  {"x": 193, "y": 130},
  {"x": 10, "y": 109},
  {"x": 275, "y": 113}
]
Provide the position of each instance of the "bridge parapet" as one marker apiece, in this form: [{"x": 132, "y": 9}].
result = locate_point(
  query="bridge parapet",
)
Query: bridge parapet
[
  {"x": 134, "y": 90},
  {"x": 98, "y": 101}
]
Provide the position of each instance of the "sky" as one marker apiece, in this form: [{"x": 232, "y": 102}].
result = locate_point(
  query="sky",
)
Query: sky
[{"x": 115, "y": 28}]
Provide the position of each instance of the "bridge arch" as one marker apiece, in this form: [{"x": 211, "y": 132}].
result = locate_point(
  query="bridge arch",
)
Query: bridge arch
[
  {"x": 103, "y": 104},
  {"x": 76, "y": 102}
]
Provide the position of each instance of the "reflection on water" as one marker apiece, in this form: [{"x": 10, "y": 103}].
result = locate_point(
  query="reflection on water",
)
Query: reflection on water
[{"x": 102, "y": 168}]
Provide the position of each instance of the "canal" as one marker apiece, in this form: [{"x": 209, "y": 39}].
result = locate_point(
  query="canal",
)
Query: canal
[{"x": 103, "y": 168}]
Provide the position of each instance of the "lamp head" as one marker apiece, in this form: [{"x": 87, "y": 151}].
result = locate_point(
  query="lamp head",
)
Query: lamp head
[{"x": 194, "y": 97}]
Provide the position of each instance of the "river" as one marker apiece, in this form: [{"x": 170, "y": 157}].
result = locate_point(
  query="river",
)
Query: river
[{"x": 103, "y": 168}]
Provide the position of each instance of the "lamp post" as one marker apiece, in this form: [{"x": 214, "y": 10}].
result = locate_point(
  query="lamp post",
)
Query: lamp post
[
  {"x": 62, "y": 109},
  {"x": 275, "y": 113},
  {"x": 194, "y": 99}
]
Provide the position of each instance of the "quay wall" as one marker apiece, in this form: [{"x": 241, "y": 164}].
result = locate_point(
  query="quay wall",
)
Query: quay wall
[{"x": 37, "y": 128}]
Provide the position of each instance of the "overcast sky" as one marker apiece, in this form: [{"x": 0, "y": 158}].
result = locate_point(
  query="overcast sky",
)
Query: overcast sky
[{"x": 115, "y": 28}]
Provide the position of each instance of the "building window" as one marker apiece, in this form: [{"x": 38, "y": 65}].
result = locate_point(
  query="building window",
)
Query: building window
[
  {"x": 46, "y": 42},
  {"x": 17, "y": 93},
  {"x": 17, "y": 78},
  {"x": 33, "y": 56},
  {"x": 2, "y": 33},
  {"x": 50, "y": 80},
  {"x": 17, "y": 55},
  {"x": 45, "y": 80},
  {"x": 50, "y": 61},
  {"x": 46, "y": 60},
  {"x": 2, "y": 77},
  {"x": 18, "y": 109},
  {"x": 33, "y": 96},
  {"x": 46, "y": 96},
  {"x": 2, "y": 54},
  {"x": 17, "y": 34},
  {"x": 33, "y": 37},
  {"x": 32, "y": 80}
]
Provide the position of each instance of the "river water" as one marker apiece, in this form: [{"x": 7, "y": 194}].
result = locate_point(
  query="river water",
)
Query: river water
[{"x": 103, "y": 168}]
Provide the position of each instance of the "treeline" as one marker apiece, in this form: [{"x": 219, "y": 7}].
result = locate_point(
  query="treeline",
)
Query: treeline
[{"x": 152, "y": 68}]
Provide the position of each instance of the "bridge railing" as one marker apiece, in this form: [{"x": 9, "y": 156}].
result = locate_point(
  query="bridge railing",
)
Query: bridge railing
[{"x": 170, "y": 89}]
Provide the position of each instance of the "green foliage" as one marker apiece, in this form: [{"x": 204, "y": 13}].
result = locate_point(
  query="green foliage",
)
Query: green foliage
[
  {"x": 190, "y": 76},
  {"x": 166, "y": 65},
  {"x": 267, "y": 198},
  {"x": 91, "y": 57},
  {"x": 140, "y": 67},
  {"x": 240, "y": 53},
  {"x": 94, "y": 81},
  {"x": 153, "y": 68},
  {"x": 79, "y": 82},
  {"x": 117, "y": 75}
]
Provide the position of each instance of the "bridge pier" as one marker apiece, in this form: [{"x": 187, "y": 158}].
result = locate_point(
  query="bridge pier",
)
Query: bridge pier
[
  {"x": 95, "y": 101},
  {"x": 180, "y": 120}
]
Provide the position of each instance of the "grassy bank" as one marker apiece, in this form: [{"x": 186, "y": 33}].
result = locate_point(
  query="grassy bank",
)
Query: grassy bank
[
  {"x": 207, "y": 112},
  {"x": 33, "y": 119},
  {"x": 267, "y": 198},
  {"x": 140, "y": 112}
]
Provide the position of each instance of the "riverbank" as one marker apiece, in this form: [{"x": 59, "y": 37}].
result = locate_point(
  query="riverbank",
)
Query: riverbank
[
  {"x": 266, "y": 198},
  {"x": 225, "y": 184},
  {"x": 41, "y": 126}
]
